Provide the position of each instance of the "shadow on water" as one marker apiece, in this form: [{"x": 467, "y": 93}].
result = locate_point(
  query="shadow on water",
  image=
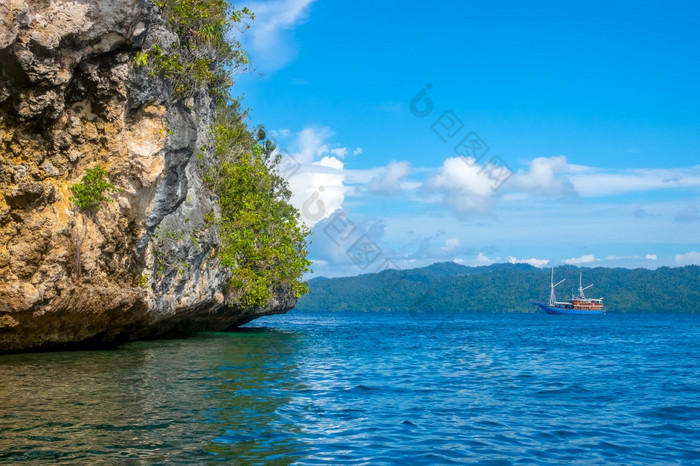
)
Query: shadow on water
[{"x": 209, "y": 396}]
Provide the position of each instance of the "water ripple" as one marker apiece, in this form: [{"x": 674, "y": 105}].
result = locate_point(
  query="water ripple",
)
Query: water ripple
[{"x": 368, "y": 389}]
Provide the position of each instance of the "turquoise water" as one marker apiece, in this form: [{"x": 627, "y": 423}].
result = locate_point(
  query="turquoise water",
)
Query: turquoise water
[{"x": 319, "y": 389}]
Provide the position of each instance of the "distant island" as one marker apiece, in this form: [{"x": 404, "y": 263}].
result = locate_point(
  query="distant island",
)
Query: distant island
[{"x": 450, "y": 287}]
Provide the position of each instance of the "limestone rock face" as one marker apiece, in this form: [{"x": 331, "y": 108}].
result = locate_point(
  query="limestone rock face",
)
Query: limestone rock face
[{"x": 71, "y": 98}]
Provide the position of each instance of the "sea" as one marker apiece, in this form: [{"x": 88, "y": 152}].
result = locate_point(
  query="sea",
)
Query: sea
[{"x": 398, "y": 388}]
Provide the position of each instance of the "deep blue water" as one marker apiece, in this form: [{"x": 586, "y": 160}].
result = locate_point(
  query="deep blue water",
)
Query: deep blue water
[{"x": 338, "y": 388}]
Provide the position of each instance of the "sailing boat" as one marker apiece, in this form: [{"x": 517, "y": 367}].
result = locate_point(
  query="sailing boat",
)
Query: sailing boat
[{"x": 579, "y": 305}]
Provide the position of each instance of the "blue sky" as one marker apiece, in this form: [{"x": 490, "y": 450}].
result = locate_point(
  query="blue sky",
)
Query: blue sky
[{"x": 481, "y": 132}]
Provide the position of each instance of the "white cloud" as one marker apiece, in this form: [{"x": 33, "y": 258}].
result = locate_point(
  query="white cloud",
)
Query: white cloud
[
  {"x": 619, "y": 258},
  {"x": 319, "y": 180},
  {"x": 310, "y": 142},
  {"x": 270, "y": 39},
  {"x": 463, "y": 186},
  {"x": 331, "y": 162},
  {"x": 482, "y": 259},
  {"x": 318, "y": 189},
  {"x": 689, "y": 258},
  {"x": 322, "y": 150},
  {"x": 533, "y": 262},
  {"x": 389, "y": 182},
  {"x": 357, "y": 151},
  {"x": 458, "y": 174},
  {"x": 545, "y": 178},
  {"x": 362, "y": 177},
  {"x": 585, "y": 259},
  {"x": 598, "y": 182},
  {"x": 628, "y": 260},
  {"x": 643, "y": 260},
  {"x": 318, "y": 186},
  {"x": 451, "y": 244},
  {"x": 555, "y": 177},
  {"x": 340, "y": 152},
  {"x": 280, "y": 133}
]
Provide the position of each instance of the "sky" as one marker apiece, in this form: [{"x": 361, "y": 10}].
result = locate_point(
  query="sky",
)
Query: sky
[{"x": 479, "y": 132}]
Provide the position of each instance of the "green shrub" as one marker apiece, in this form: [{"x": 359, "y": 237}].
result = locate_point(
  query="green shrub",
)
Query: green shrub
[
  {"x": 90, "y": 191},
  {"x": 87, "y": 196}
]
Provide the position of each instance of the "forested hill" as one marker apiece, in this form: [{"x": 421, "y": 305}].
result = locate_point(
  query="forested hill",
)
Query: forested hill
[{"x": 451, "y": 287}]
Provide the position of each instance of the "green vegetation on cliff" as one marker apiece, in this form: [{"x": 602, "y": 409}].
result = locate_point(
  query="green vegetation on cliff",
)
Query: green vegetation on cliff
[
  {"x": 90, "y": 191},
  {"x": 450, "y": 287},
  {"x": 88, "y": 194},
  {"x": 206, "y": 53},
  {"x": 261, "y": 239}
]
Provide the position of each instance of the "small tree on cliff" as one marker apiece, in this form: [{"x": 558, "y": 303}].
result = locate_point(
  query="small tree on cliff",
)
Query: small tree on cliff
[{"x": 88, "y": 194}]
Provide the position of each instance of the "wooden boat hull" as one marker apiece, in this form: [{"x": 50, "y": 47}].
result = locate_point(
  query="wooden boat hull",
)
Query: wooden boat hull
[{"x": 562, "y": 311}]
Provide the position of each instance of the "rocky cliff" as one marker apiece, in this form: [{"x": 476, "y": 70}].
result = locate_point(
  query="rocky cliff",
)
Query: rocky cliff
[{"x": 72, "y": 98}]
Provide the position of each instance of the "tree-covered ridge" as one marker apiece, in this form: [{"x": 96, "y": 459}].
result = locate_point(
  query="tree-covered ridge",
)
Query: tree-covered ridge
[{"x": 450, "y": 287}]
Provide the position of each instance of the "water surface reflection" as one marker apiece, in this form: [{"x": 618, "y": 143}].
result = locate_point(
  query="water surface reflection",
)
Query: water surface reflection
[{"x": 216, "y": 395}]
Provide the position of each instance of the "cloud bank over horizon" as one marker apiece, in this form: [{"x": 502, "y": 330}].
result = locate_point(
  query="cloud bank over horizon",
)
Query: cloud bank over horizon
[{"x": 450, "y": 211}]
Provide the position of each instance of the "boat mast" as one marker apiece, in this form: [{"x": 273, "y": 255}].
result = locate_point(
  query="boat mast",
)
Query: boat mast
[
  {"x": 552, "y": 295},
  {"x": 580, "y": 286}
]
